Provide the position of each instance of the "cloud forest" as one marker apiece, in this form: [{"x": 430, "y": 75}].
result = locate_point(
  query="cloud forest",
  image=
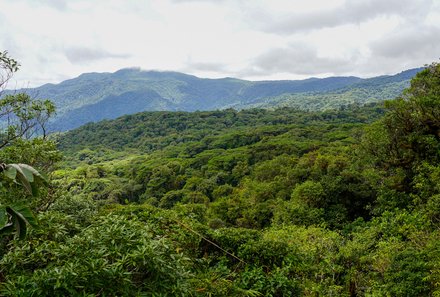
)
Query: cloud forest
[{"x": 280, "y": 201}]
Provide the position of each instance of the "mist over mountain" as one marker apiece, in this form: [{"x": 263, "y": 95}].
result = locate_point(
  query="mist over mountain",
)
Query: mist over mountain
[{"x": 92, "y": 97}]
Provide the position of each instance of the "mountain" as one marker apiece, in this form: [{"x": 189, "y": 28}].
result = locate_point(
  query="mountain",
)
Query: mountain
[
  {"x": 362, "y": 91},
  {"x": 93, "y": 97}
]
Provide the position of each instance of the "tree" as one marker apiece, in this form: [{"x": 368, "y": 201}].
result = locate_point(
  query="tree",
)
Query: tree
[
  {"x": 7, "y": 68},
  {"x": 20, "y": 117},
  {"x": 413, "y": 123},
  {"x": 403, "y": 144},
  {"x": 20, "y": 114}
]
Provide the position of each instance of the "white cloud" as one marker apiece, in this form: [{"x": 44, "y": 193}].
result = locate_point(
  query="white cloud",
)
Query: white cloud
[
  {"x": 349, "y": 12},
  {"x": 409, "y": 43},
  {"x": 301, "y": 59},
  {"x": 87, "y": 55},
  {"x": 264, "y": 39}
]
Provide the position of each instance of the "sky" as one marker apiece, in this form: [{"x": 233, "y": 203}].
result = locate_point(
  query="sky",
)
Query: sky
[{"x": 55, "y": 40}]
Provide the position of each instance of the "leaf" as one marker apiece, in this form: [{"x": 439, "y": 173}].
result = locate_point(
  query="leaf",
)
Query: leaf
[
  {"x": 26, "y": 213},
  {"x": 25, "y": 183},
  {"x": 3, "y": 216},
  {"x": 27, "y": 173},
  {"x": 19, "y": 219},
  {"x": 18, "y": 222},
  {"x": 34, "y": 189},
  {"x": 29, "y": 169},
  {"x": 22, "y": 177},
  {"x": 21, "y": 227},
  {"x": 10, "y": 172}
]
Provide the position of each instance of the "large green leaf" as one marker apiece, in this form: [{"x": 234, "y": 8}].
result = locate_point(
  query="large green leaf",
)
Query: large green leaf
[
  {"x": 26, "y": 184},
  {"x": 21, "y": 176},
  {"x": 3, "y": 216},
  {"x": 25, "y": 175},
  {"x": 19, "y": 222},
  {"x": 25, "y": 213},
  {"x": 20, "y": 226},
  {"x": 10, "y": 172},
  {"x": 32, "y": 172},
  {"x": 15, "y": 219}
]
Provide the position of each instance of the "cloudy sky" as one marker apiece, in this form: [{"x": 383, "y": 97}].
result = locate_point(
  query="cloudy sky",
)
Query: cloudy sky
[{"x": 251, "y": 39}]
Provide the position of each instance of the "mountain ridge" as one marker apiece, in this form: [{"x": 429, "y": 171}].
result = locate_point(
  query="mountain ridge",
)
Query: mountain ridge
[{"x": 94, "y": 96}]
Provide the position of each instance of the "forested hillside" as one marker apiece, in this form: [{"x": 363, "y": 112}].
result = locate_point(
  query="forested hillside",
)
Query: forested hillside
[
  {"x": 229, "y": 203},
  {"x": 92, "y": 97}
]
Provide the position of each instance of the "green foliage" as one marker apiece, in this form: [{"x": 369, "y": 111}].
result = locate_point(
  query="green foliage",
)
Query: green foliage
[
  {"x": 37, "y": 152},
  {"x": 405, "y": 141},
  {"x": 113, "y": 256},
  {"x": 341, "y": 98},
  {"x": 227, "y": 203},
  {"x": 192, "y": 133},
  {"x": 15, "y": 218},
  {"x": 22, "y": 116}
]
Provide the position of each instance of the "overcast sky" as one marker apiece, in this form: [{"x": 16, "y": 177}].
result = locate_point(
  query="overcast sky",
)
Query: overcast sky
[{"x": 251, "y": 39}]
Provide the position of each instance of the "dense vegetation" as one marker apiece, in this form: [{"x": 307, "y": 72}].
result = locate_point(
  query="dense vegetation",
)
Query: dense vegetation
[
  {"x": 93, "y": 97},
  {"x": 227, "y": 203}
]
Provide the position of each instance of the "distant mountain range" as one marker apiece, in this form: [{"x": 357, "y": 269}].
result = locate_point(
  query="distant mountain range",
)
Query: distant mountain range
[{"x": 92, "y": 97}]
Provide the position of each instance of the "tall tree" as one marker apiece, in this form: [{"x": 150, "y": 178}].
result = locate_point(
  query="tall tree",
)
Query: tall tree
[
  {"x": 20, "y": 117},
  {"x": 413, "y": 123}
]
